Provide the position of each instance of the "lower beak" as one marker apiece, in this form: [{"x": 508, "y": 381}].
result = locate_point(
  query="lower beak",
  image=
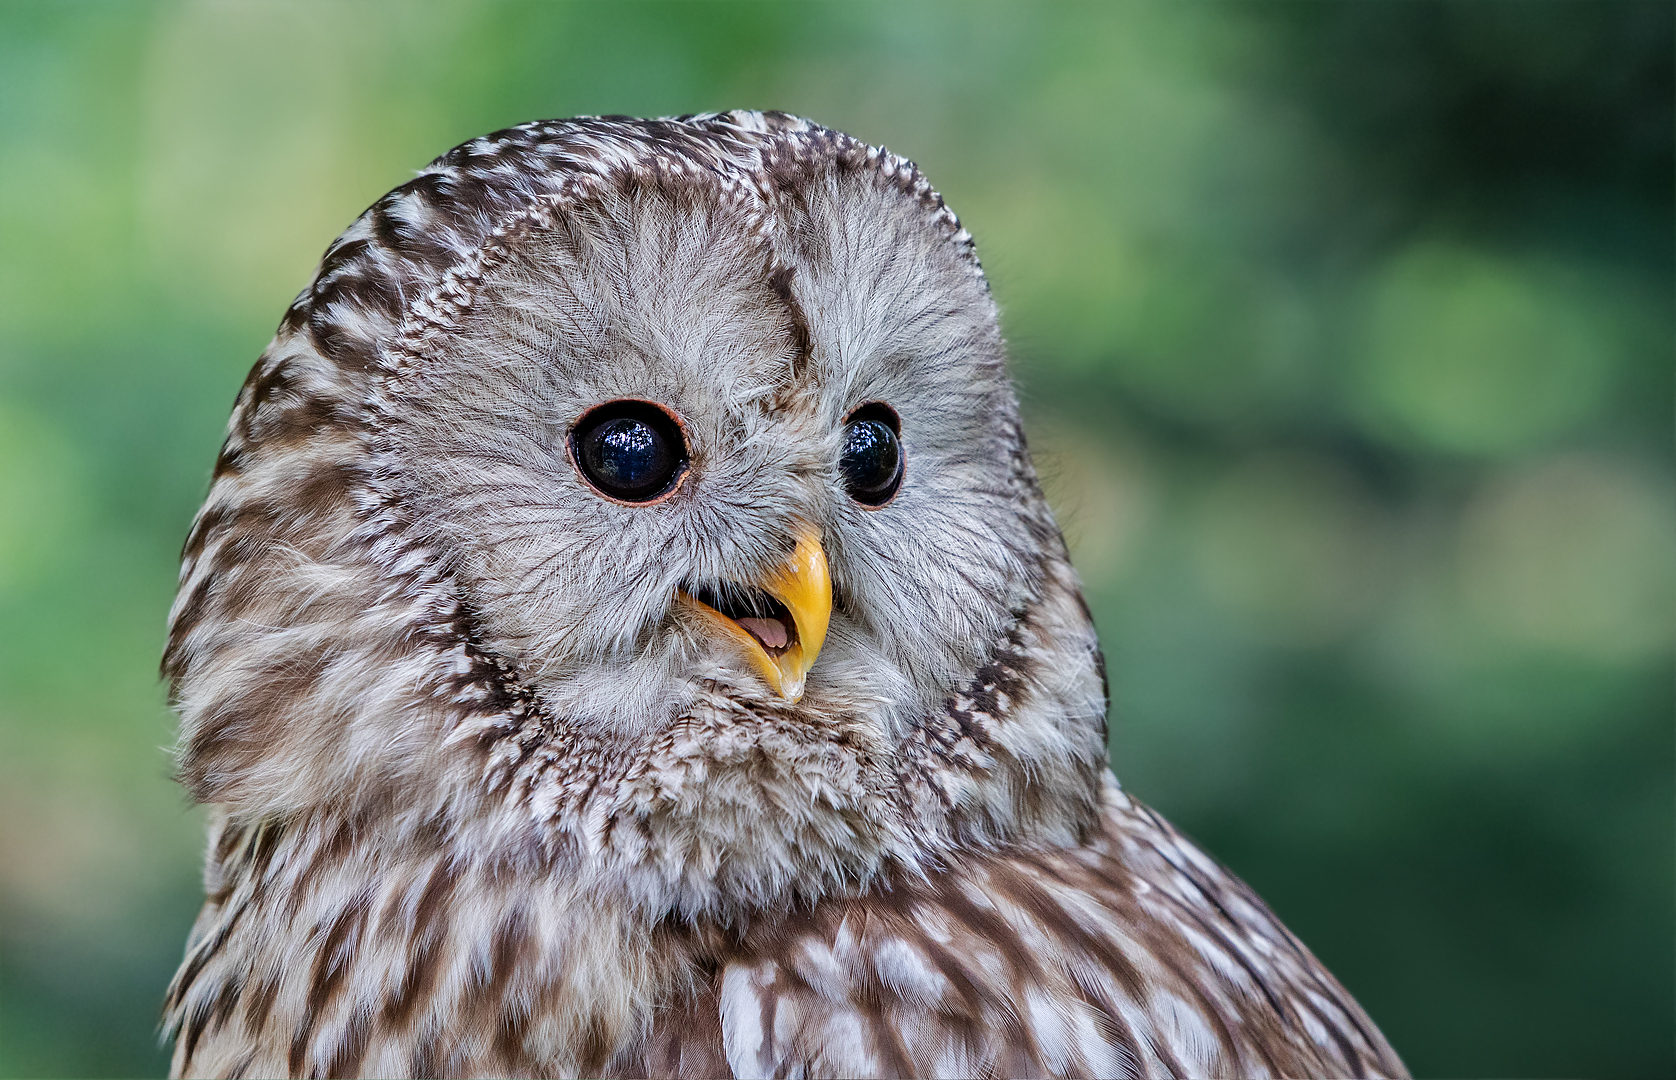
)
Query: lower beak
[{"x": 804, "y": 585}]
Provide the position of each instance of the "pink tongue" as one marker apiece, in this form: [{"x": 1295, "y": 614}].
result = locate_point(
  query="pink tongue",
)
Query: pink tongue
[{"x": 771, "y": 632}]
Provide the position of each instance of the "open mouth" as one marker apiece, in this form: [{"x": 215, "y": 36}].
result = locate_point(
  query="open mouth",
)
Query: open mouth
[
  {"x": 778, "y": 622},
  {"x": 756, "y": 612}
]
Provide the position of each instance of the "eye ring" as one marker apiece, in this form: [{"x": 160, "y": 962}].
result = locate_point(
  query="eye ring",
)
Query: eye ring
[
  {"x": 643, "y": 442},
  {"x": 872, "y": 492}
]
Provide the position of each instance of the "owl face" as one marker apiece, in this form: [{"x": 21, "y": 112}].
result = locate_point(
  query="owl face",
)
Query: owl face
[
  {"x": 647, "y": 496},
  {"x": 664, "y": 449}
]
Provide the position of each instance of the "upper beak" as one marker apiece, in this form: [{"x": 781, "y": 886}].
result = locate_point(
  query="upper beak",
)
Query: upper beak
[{"x": 804, "y": 585}]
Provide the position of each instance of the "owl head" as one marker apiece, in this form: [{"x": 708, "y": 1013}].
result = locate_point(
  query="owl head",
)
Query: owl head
[{"x": 644, "y": 502}]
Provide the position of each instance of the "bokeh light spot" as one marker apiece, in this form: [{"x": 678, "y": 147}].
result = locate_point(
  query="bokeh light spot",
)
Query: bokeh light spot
[
  {"x": 1469, "y": 353},
  {"x": 40, "y": 494},
  {"x": 1574, "y": 554},
  {"x": 1292, "y": 545}
]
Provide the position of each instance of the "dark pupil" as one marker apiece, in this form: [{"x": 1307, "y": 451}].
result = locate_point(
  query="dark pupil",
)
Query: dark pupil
[
  {"x": 871, "y": 460},
  {"x": 628, "y": 458}
]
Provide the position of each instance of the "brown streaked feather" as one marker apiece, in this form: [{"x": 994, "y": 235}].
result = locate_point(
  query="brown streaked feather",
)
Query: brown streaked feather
[
  {"x": 1130, "y": 955},
  {"x": 1133, "y": 955}
]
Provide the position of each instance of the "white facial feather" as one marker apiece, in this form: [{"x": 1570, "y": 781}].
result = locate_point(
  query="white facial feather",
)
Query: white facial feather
[{"x": 665, "y": 295}]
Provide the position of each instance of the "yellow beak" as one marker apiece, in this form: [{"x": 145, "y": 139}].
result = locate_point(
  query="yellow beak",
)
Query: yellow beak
[{"x": 804, "y": 585}]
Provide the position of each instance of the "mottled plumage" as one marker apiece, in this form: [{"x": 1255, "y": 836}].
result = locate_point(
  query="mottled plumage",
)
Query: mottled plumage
[{"x": 497, "y": 792}]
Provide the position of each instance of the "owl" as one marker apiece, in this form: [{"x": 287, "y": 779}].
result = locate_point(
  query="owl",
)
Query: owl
[{"x": 625, "y": 637}]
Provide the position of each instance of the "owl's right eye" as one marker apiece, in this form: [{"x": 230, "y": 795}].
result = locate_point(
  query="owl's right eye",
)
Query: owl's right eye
[{"x": 630, "y": 451}]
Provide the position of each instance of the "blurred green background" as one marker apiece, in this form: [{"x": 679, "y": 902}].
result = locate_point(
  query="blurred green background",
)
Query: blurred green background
[{"x": 1346, "y": 338}]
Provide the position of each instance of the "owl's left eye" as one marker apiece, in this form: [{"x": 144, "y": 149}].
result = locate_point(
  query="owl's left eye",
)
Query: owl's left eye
[
  {"x": 631, "y": 451},
  {"x": 872, "y": 460}
]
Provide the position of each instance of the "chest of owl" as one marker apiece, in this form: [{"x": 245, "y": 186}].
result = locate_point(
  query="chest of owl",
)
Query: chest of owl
[{"x": 625, "y": 636}]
